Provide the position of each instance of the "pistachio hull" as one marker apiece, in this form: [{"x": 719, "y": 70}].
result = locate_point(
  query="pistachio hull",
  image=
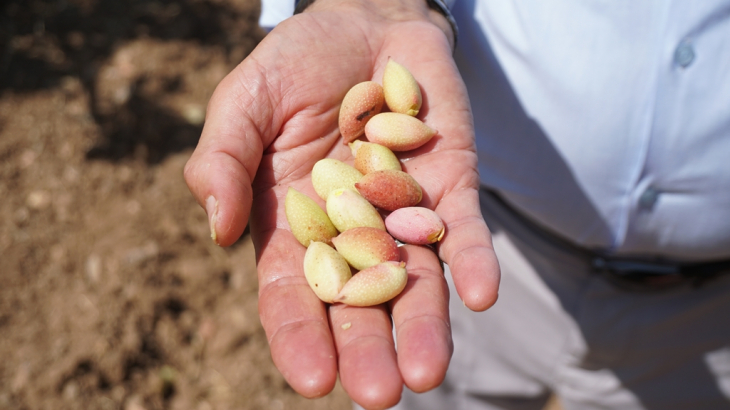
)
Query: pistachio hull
[
  {"x": 307, "y": 221},
  {"x": 374, "y": 285},
  {"x": 360, "y": 104},
  {"x": 329, "y": 174},
  {"x": 326, "y": 271},
  {"x": 401, "y": 91},
  {"x": 390, "y": 190},
  {"x": 366, "y": 247},
  {"x": 415, "y": 225},
  {"x": 348, "y": 209},
  {"x": 399, "y": 132},
  {"x": 371, "y": 157}
]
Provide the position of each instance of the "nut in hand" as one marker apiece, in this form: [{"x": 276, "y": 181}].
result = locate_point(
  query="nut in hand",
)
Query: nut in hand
[
  {"x": 329, "y": 174},
  {"x": 360, "y": 104},
  {"x": 370, "y": 157},
  {"x": 415, "y": 225},
  {"x": 390, "y": 190},
  {"x": 375, "y": 285},
  {"x": 348, "y": 209},
  {"x": 308, "y": 222},
  {"x": 366, "y": 247},
  {"x": 326, "y": 271},
  {"x": 402, "y": 93},
  {"x": 399, "y": 132}
]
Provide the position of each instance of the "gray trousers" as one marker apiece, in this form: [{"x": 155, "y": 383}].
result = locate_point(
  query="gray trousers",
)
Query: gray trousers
[{"x": 559, "y": 327}]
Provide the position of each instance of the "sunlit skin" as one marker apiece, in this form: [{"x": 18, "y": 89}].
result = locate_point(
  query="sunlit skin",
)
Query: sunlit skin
[{"x": 271, "y": 119}]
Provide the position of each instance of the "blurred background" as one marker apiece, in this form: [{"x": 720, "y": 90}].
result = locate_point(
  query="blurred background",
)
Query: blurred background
[{"x": 112, "y": 295}]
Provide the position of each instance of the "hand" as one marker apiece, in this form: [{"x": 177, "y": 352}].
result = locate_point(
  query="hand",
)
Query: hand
[{"x": 271, "y": 119}]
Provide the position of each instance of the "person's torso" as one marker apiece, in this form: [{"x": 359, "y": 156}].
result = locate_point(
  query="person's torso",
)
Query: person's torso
[{"x": 606, "y": 121}]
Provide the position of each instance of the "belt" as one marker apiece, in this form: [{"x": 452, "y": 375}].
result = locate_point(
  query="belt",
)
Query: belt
[
  {"x": 657, "y": 275},
  {"x": 627, "y": 273}
]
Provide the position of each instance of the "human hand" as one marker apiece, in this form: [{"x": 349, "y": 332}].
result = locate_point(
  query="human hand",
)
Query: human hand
[{"x": 267, "y": 124}]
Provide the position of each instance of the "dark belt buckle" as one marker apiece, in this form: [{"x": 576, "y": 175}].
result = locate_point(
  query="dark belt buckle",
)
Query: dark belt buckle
[{"x": 639, "y": 275}]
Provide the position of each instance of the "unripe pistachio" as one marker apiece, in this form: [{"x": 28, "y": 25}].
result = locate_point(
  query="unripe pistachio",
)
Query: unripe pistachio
[
  {"x": 326, "y": 271},
  {"x": 402, "y": 93},
  {"x": 360, "y": 104},
  {"x": 399, "y": 132},
  {"x": 365, "y": 247},
  {"x": 329, "y": 174},
  {"x": 308, "y": 222},
  {"x": 371, "y": 157},
  {"x": 374, "y": 285},
  {"x": 348, "y": 209},
  {"x": 390, "y": 190},
  {"x": 415, "y": 225}
]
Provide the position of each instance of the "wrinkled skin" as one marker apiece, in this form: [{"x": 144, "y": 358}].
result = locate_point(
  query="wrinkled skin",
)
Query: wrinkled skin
[{"x": 271, "y": 119}]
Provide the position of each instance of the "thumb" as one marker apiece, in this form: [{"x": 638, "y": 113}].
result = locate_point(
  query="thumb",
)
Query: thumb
[{"x": 223, "y": 165}]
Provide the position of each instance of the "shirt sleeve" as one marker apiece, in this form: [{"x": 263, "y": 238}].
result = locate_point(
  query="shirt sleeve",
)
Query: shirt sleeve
[{"x": 274, "y": 12}]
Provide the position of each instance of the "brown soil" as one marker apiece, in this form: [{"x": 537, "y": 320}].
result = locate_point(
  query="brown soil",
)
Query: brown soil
[{"x": 112, "y": 295}]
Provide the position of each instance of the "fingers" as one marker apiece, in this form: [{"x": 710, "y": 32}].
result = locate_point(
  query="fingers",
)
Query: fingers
[
  {"x": 368, "y": 365},
  {"x": 421, "y": 318},
  {"x": 446, "y": 170},
  {"x": 294, "y": 319},
  {"x": 467, "y": 249},
  {"x": 450, "y": 188},
  {"x": 371, "y": 372},
  {"x": 303, "y": 346}
]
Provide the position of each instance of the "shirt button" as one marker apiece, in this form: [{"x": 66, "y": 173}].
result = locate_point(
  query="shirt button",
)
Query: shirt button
[
  {"x": 684, "y": 54},
  {"x": 648, "y": 198}
]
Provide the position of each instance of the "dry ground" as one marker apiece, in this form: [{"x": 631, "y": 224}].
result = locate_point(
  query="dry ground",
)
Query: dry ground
[{"x": 113, "y": 295}]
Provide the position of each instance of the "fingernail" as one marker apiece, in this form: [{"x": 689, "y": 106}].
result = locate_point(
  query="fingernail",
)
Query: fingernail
[{"x": 211, "y": 207}]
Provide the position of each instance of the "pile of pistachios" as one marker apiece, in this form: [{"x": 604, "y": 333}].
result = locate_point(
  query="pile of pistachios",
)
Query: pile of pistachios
[{"x": 352, "y": 255}]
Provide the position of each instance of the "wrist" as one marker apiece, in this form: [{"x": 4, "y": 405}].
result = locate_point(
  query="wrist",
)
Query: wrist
[
  {"x": 434, "y": 11},
  {"x": 440, "y": 15}
]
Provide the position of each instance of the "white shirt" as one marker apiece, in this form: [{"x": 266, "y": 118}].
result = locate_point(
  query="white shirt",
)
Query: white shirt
[
  {"x": 275, "y": 11},
  {"x": 606, "y": 121}
]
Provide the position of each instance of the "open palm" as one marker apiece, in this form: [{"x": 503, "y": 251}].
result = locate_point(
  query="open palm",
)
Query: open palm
[{"x": 269, "y": 121}]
